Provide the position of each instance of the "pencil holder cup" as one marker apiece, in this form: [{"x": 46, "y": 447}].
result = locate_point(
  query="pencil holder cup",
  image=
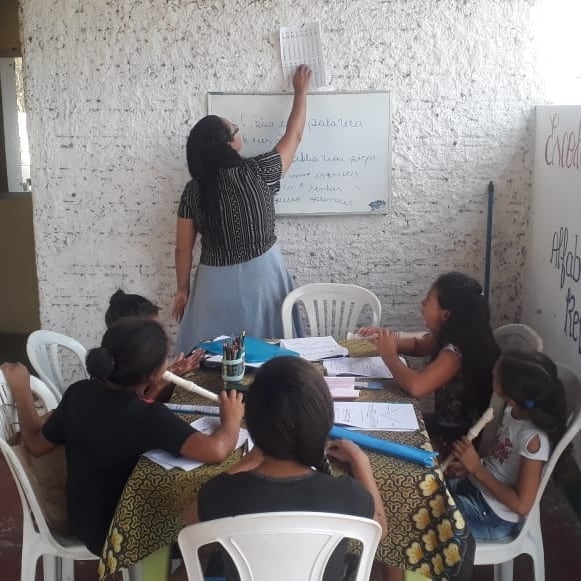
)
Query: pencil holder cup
[{"x": 233, "y": 369}]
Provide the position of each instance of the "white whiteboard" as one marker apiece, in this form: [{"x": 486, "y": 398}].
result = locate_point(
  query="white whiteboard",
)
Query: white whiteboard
[
  {"x": 343, "y": 162},
  {"x": 552, "y": 298}
]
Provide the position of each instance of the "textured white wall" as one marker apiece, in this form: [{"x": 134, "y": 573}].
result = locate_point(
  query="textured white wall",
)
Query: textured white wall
[{"x": 113, "y": 88}]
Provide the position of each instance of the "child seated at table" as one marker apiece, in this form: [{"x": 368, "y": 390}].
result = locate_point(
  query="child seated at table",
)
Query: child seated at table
[
  {"x": 462, "y": 349},
  {"x": 289, "y": 414},
  {"x": 105, "y": 425},
  {"x": 123, "y": 304},
  {"x": 500, "y": 489}
]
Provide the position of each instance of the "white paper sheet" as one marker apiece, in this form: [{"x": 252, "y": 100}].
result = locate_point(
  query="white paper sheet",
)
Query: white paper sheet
[
  {"x": 207, "y": 425},
  {"x": 302, "y": 45},
  {"x": 358, "y": 366},
  {"x": 315, "y": 348},
  {"x": 342, "y": 387},
  {"x": 385, "y": 417}
]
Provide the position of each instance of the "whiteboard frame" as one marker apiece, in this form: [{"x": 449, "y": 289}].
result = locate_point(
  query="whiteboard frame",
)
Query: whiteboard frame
[{"x": 388, "y": 199}]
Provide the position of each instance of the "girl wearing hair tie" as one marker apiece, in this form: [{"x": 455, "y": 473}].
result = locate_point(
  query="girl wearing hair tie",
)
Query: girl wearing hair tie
[
  {"x": 500, "y": 489},
  {"x": 462, "y": 350},
  {"x": 105, "y": 424}
]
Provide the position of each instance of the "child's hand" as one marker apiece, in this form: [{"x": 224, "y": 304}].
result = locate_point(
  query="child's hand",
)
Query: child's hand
[
  {"x": 184, "y": 365},
  {"x": 17, "y": 377},
  {"x": 467, "y": 455},
  {"x": 346, "y": 451},
  {"x": 455, "y": 470},
  {"x": 231, "y": 407},
  {"x": 386, "y": 343},
  {"x": 369, "y": 332}
]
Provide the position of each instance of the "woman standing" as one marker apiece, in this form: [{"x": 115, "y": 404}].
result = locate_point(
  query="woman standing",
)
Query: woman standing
[{"x": 241, "y": 280}]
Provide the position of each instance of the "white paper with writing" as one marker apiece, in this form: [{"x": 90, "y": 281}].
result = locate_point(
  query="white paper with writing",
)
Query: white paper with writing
[
  {"x": 388, "y": 417},
  {"x": 301, "y": 45}
]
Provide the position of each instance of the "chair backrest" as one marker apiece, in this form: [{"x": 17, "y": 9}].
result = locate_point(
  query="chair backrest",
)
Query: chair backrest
[
  {"x": 572, "y": 385},
  {"x": 42, "y": 348},
  {"x": 332, "y": 308},
  {"x": 286, "y": 546},
  {"x": 518, "y": 336},
  {"x": 8, "y": 427}
]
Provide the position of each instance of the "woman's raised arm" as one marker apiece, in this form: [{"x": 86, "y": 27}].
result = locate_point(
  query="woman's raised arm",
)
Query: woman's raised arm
[{"x": 289, "y": 142}]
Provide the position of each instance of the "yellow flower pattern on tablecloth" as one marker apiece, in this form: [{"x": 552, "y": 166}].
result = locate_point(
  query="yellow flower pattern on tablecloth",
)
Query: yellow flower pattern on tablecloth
[
  {"x": 437, "y": 506},
  {"x": 111, "y": 561},
  {"x": 419, "y": 508},
  {"x": 422, "y": 519},
  {"x": 438, "y": 564},
  {"x": 430, "y": 541},
  {"x": 430, "y": 485},
  {"x": 459, "y": 520},
  {"x": 415, "y": 553},
  {"x": 116, "y": 539},
  {"x": 445, "y": 532},
  {"x": 424, "y": 570},
  {"x": 452, "y": 555}
]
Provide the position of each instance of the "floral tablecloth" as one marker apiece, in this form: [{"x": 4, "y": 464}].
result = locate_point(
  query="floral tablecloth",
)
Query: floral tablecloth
[{"x": 427, "y": 534}]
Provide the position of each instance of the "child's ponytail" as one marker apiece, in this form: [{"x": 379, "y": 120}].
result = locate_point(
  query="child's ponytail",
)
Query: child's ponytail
[
  {"x": 131, "y": 350},
  {"x": 100, "y": 363}
]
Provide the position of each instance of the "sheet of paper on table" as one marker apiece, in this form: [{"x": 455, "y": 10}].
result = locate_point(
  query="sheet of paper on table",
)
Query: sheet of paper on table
[
  {"x": 376, "y": 416},
  {"x": 342, "y": 387},
  {"x": 358, "y": 366},
  {"x": 207, "y": 425},
  {"x": 315, "y": 348}
]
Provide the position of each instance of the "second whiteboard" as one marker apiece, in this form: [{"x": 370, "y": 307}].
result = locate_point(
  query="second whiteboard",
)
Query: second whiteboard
[{"x": 343, "y": 162}]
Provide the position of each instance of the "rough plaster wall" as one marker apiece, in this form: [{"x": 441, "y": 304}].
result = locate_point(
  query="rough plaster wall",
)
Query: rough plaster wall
[{"x": 114, "y": 87}]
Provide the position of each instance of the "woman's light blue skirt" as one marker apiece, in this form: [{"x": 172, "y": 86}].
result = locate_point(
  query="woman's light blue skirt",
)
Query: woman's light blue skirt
[{"x": 226, "y": 300}]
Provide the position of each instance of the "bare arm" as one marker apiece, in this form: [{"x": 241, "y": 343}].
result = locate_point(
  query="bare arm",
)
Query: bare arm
[
  {"x": 18, "y": 380},
  {"x": 521, "y": 496},
  {"x": 346, "y": 451},
  {"x": 288, "y": 144},
  {"x": 417, "y": 383},
  {"x": 216, "y": 447},
  {"x": 185, "y": 239},
  {"x": 418, "y": 344}
]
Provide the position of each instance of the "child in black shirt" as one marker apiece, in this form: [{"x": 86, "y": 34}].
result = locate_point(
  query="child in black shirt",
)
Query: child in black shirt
[{"x": 106, "y": 425}]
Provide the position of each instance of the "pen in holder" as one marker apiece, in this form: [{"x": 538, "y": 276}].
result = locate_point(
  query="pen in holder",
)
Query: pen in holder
[{"x": 233, "y": 359}]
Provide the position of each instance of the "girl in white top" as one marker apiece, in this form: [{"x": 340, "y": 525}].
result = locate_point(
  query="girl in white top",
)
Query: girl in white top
[{"x": 497, "y": 491}]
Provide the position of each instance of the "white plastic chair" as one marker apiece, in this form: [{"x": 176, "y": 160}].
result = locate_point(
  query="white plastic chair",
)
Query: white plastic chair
[
  {"x": 518, "y": 336},
  {"x": 332, "y": 308},
  {"x": 529, "y": 539},
  {"x": 42, "y": 348},
  {"x": 286, "y": 546},
  {"x": 58, "y": 552}
]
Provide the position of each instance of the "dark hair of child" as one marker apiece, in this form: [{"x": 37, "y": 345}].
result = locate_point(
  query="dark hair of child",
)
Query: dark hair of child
[
  {"x": 208, "y": 149},
  {"x": 131, "y": 350},
  {"x": 468, "y": 328},
  {"x": 530, "y": 379},
  {"x": 289, "y": 411},
  {"x": 122, "y": 304}
]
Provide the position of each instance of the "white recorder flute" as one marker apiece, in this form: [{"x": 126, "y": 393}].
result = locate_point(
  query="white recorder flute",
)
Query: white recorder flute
[
  {"x": 189, "y": 385},
  {"x": 472, "y": 433}
]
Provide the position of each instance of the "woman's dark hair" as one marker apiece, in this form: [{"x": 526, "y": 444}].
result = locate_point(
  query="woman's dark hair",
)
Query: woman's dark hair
[
  {"x": 468, "y": 328},
  {"x": 289, "y": 411},
  {"x": 530, "y": 379},
  {"x": 208, "y": 150},
  {"x": 122, "y": 304},
  {"x": 131, "y": 350}
]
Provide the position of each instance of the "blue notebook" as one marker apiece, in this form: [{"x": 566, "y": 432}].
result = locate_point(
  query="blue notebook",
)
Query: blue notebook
[{"x": 255, "y": 350}]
